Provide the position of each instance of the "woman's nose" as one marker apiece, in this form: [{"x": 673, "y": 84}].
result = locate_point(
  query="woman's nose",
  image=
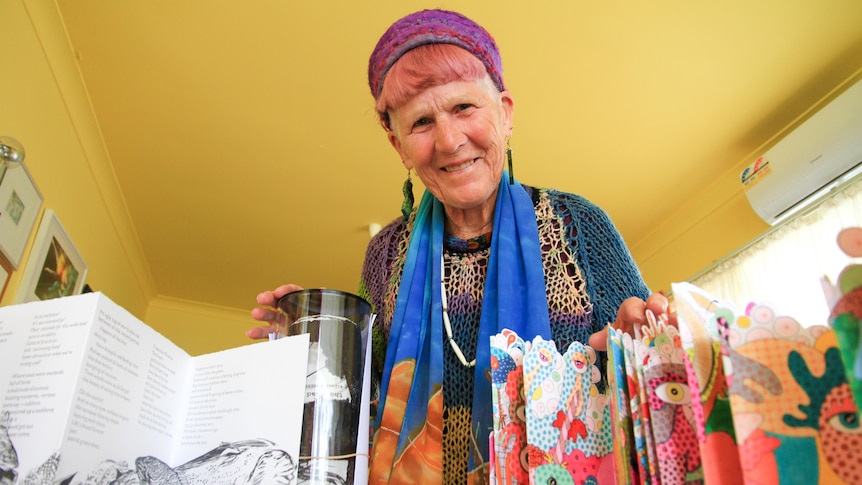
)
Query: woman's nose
[{"x": 449, "y": 136}]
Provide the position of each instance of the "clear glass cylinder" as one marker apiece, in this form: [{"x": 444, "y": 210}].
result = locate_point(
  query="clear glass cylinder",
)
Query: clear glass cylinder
[{"x": 335, "y": 322}]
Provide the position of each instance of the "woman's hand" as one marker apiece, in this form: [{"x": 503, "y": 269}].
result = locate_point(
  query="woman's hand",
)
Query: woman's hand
[
  {"x": 267, "y": 313},
  {"x": 631, "y": 314}
]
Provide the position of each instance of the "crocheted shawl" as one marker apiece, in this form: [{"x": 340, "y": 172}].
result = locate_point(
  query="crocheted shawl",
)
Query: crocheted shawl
[
  {"x": 410, "y": 409},
  {"x": 588, "y": 273}
]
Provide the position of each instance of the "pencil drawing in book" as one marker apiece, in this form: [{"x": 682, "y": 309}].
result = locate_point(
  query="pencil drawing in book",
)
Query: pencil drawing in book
[
  {"x": 255, "y": 461},
  {"x": 8, "y": 455},
  {"x": 9, "y": 461}
]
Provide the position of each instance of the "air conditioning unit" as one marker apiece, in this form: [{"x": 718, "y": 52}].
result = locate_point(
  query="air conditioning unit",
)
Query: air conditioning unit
[{"x": 823, "y": 153}]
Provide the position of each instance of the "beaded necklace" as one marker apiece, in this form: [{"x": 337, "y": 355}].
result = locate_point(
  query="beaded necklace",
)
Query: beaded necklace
[{"x": 446, "y": 323}]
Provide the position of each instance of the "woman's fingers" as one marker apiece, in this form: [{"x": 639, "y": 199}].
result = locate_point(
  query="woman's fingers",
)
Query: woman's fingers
[
  {"x": 267, "y": 316},
  {"x": 657, "y": 303},
  {"x": 270, "y": 298},
  {"x": 258, "y": 333},
  {"x": 632, "y": 314},
  {"x": 267, "y": 313},
  {"x": 271, "y": 317},
  {"x": 599, "y": 340}
]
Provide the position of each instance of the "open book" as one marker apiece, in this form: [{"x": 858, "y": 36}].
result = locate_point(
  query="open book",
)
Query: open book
[{"x": 88, "y": 393}]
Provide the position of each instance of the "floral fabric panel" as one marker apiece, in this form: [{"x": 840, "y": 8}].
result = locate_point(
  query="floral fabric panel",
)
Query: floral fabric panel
[
  {"x": 708, "y": 386},
  {"x": 665, "y": 434},
  {"x": 794, "y": 417},
  {"x": 508, "y": 445},
  {"x": 626, "y": 465},
  {"x": 566, "y": 421},
  {"x": 645, "y": 455},
  {"x": 669, "y": 400}
]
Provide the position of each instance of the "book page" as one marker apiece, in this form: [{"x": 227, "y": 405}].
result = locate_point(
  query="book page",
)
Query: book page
[
  {"x": 132, "y": 383},
  {"x": 42, "y": 345},
  {"x": 244, "y": 413}
]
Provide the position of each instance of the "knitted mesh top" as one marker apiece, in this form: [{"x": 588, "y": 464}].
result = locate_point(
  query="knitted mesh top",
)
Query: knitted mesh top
[{"x": 588, "y": 273}]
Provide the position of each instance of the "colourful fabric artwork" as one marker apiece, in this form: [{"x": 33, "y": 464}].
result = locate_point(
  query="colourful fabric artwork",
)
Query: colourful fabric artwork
[
  {"x": 708, "y": 386},
  {"x": 568, "y": 421},
  {"x": 794, "y": 418},
  {"x": 509, "y": 438},
  {"x": 724, "y": 397},
  {"x": 644, "y": 454},
  {"x": 845, "y": 304},
  {"x": 668, "y": 397},
  {"x": 625, "y": 457},
  {"x": 551, "y": 424}
]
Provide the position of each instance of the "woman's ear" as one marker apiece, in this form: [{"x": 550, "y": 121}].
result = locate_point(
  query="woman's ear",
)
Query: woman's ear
[
  {"x": 508, "y": 104},
  {"x": 396, "y": 144}
]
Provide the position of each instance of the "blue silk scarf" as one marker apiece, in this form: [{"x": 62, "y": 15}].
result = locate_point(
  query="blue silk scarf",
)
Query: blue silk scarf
[{"x": 408, "y": 429}]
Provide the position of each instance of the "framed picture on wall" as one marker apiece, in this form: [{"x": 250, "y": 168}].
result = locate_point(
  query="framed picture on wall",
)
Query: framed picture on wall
[
  {"x": 20, "y": 203},
  {"x": 55, "y": 268},
  {"x": 5, "y": 275}
]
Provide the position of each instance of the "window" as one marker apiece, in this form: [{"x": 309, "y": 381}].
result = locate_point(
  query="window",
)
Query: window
[{"x": 785, "y": 266}]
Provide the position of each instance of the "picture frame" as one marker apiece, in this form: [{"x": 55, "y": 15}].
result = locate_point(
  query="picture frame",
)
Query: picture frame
[
  {"x": 20, "y": 203},
  {"x": 5, "y": 275},
  {"x": 55, "y": 268}
]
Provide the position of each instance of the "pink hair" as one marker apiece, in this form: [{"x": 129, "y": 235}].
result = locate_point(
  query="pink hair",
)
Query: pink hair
[{"x": 424, "y": 67}]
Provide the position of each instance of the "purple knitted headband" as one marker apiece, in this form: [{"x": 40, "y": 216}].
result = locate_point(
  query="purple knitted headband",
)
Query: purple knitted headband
[{"x": 433, "y": 27}]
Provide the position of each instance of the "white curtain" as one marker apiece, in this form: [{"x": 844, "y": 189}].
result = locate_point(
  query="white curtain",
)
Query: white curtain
[{"x": 785, "y": 266}]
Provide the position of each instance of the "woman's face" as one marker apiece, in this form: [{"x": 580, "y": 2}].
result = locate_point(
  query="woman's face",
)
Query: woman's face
[{"x": 454, "y": 135}]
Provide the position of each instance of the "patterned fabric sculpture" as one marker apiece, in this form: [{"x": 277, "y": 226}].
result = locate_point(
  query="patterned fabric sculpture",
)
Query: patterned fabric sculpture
[
  {"x": 791, "y": 410},
  {"x": 551, "y": 423}
]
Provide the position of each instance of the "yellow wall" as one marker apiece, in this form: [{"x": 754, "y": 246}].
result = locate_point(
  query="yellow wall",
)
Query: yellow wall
[
  {"x": 199, "y": 329},
  {"x": 46, "y": 107},
  {"x": 707, "y": 228}
]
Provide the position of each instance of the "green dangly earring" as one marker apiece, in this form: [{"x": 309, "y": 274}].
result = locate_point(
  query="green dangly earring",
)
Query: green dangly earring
[
  {"x": 509, "y": 158},
  {"x": 407, "y": 204}
]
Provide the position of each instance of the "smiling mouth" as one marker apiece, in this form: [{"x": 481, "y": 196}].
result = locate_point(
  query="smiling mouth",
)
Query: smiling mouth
[{"x": 460, "y": 167}]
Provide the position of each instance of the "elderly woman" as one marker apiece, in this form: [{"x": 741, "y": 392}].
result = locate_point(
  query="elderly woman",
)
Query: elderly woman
[{"x": 481, "y": 252}]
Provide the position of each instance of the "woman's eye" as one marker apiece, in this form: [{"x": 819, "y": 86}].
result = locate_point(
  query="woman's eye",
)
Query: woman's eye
[
  {"x": 463, "y": 106},
  {"x": 421, "y": 122}
]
